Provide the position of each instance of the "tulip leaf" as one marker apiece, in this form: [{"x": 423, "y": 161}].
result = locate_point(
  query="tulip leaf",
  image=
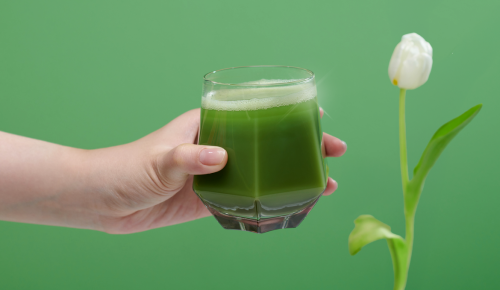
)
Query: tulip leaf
[
  {"x": 440, "y": 140},
  {"x": 368, "y": 229}
]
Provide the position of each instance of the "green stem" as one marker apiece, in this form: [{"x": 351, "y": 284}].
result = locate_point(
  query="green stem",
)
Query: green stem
[
  {"x": 402, "y": 140},
  {"x": 410, "y": 224},
  {"x": 400, "y": 282}
]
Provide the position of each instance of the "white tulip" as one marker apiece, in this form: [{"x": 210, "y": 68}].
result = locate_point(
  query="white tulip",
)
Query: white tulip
[{"x": 411, "y": 62}]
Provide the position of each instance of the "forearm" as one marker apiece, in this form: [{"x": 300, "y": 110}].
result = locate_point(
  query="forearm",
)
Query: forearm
[{"x": 44, "y": 183}]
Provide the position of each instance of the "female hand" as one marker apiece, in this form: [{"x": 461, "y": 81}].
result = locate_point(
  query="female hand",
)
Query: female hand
[{"x": 129, "y": 188}]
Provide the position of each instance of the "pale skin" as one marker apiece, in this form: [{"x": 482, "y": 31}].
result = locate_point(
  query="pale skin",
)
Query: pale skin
[{"x": 123, "y": 189}]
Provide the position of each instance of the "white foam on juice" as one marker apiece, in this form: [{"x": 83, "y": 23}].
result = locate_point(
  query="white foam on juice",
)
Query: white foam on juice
[{"x": 249, "y": 99}]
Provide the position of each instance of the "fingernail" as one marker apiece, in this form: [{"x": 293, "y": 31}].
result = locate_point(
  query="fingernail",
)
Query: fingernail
[
  {"x": 345, "y": 144},
  {"x": 335, "y": 182},
  {"x": 212, "y": 156}
]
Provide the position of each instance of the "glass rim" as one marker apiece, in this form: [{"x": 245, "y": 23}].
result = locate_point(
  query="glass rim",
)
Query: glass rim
[{"x": 302, "y": 80}]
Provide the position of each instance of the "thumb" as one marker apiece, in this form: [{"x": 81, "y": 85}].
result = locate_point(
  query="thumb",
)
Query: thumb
[{"x": 189, "y": 159}]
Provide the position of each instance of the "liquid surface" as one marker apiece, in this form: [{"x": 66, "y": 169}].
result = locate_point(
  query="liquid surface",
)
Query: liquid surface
[{"x": 275, "y": 166}]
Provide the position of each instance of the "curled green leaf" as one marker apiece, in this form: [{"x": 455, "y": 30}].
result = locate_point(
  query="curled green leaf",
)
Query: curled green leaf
[{"x": 368, "y": 229}]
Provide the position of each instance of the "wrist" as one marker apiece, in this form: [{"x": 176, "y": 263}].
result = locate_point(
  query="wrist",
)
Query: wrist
[
  {"x": 109, "y": 178},
  {"x": 73, "y": 203}
]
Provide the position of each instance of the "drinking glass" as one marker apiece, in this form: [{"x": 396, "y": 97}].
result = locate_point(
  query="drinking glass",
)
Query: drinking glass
[{"x": 267, "y": 119}]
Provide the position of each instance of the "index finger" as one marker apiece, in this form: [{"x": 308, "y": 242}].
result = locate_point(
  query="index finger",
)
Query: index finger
[{"x": 334, "y": 147}]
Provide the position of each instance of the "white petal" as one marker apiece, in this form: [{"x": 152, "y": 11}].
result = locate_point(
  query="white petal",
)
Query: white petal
[
  {"x": 410, "y": 74},
  {"x": 411, "y": 62},
  {"x": 428, "y": 49},
  {"x": 395, "y": 62},
  {"x": 426, "y": 67},
  {"x": 415, "y": 71}
]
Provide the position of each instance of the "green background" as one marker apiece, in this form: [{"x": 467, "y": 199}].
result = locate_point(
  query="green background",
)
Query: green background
[{"x": 92, "y": 74}]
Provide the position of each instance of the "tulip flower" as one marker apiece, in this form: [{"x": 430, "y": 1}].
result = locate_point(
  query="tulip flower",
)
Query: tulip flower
[
  {"x": 411, "y": 62},
  {"x": 409, "y": 68}
]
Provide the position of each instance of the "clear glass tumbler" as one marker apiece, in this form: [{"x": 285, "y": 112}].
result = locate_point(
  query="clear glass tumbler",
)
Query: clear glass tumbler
[{"x": 267, "y": 118}]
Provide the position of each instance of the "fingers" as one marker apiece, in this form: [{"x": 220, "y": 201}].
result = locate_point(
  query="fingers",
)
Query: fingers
[
  {"x": 188, "y": 159},
  {"x": 334, "y": 147},
  {"x": 331, "y": 186}
]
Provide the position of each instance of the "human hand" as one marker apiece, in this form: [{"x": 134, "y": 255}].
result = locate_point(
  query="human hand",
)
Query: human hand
[{"x": 147, "y": 184}]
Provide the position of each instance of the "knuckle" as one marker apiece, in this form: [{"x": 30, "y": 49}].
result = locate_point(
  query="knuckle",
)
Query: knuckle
[
  {"x": 161, "y": 182},
  {"x": 179, "y": 155},
  {"x": 184, "y": 157}
]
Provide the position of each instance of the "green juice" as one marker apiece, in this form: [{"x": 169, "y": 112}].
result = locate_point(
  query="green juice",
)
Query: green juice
[{"x": 275, "y": 165}]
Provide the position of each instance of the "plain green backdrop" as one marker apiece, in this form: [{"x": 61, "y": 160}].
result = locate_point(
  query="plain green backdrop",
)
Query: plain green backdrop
[{"x": 92, "y": 74}]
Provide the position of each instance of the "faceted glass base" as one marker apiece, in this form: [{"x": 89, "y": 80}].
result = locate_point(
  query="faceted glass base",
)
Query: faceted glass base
[{"x": 262, "y": 225}]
